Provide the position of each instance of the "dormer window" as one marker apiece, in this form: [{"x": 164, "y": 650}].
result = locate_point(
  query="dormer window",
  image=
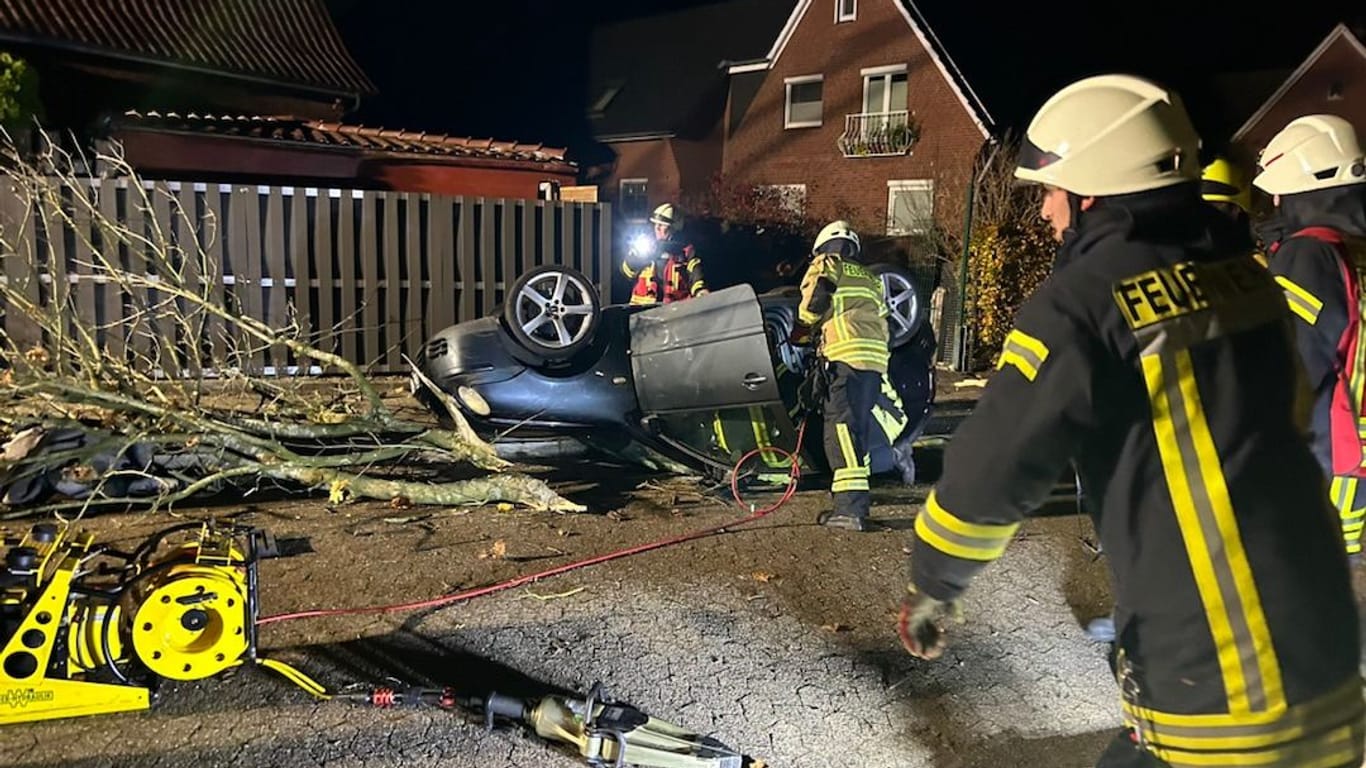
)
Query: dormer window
[
  {"x": 845, "y": 10},
  {"x": 609, "y": 92}
]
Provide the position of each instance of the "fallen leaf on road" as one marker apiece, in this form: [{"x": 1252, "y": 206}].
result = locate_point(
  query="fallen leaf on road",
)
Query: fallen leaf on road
[
  {"x": 336, "y": 492},
  {"x": 761, "y": 577},
  {"x": 498, "y": 551},
  {"x": 504, "y": 507},
  {"x": 22, "y": 443},
  {"x": 836, "y": 627},
  {"x": 400, "y": 502}
]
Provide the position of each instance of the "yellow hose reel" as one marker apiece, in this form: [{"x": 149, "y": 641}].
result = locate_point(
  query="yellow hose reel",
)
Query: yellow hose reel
[{"x": 88, "y": 629}]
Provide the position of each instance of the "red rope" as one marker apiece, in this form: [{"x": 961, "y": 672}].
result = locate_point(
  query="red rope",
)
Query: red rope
[{"x": 794, "y": 475}]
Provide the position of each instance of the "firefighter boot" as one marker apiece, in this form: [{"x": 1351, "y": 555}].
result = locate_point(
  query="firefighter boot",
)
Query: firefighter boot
[
  {"x": 847, "y": 522},
  {"x": 850, "y": 512}
]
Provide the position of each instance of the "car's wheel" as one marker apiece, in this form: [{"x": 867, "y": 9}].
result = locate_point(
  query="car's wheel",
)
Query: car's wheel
[
  {"x": 779, "y": 320},
  {"x": 903, "y": 301},
  {"x": 552, "y": 311}
]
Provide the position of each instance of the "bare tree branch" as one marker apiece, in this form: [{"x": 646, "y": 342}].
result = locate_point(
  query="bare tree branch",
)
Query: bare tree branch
[{"x": 172, "y": 366}]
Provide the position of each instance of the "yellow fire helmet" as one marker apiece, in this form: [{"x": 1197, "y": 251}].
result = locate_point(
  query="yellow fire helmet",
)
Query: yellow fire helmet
[{"x": 1224, "y": 182}]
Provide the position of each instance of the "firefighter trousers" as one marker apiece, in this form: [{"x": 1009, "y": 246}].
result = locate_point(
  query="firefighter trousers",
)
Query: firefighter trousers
[
  {"x": 849, "y": 420},
  {"x": 1349, "y": 499}
]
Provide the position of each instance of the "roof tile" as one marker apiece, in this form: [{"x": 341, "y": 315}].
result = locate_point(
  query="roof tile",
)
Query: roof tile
[
  {"x": 334, "y": 134},
  {"x": 288, "y": 41}
]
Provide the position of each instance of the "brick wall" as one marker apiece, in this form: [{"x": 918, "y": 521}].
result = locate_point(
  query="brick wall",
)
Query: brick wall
[
  {"x": 678, "y": 170},
  {"x": 761, "y": 151},
  {"x": 651, "y": 159}
]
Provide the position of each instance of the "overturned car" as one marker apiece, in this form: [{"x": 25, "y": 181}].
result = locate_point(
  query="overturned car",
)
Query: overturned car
[{"x": 691, "y": 385}]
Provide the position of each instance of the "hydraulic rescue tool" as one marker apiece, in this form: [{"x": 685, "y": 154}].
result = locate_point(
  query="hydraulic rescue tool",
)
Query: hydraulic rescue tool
[
  {"x": 87, "y": 629},
  {"x": 604, "y": 733}
]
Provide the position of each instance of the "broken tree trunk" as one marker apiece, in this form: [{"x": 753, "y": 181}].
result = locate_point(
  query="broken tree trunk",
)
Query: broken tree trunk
[{"x": 162, "y": 390}]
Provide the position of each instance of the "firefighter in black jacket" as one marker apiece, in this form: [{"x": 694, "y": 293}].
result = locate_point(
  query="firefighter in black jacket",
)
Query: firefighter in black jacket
[
  {"x": 842, "y": 299},
  {"x": 1224, "y": 185},
  {"x": 1318, "y": 248},
  {"x": 1160, "y": 358}
]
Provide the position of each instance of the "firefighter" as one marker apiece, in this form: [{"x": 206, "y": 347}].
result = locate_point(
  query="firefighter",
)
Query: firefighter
[
  {"x": 1224, "y": 185},
  {"x": 1314, "y": 170},
  {"x": 665, "y": 268},
  {"x": 1160, "y": 359},
  {"x": 843, "y": 302}
]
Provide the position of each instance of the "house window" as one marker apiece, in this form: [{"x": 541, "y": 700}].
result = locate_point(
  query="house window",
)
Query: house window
[
  {"x": 633, "y": 201},
  {"x": 609, "y": 92},
  {"x": 845, "y": 10},
  {"x": 803, "y": 102},
  {"x": 910, "y": 206},
  {"x": 790, "y": 198},
  {"x": 884, "y": 89}
]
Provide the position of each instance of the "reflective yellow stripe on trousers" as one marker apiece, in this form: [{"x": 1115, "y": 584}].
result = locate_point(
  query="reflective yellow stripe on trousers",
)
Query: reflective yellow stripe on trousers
[
  {"x": 1204, "y": 511},
  {"x": 1343, "y": 491},
  {"x": 853, "y": 476}
]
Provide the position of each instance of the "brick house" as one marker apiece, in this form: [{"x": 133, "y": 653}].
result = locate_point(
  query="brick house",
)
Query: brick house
[
  {"x": 242, "y": 90},
  {"x": 1331, "y": 80},
  {"x": 858, "y": 112},
  {"x": 657, "y": 95}
]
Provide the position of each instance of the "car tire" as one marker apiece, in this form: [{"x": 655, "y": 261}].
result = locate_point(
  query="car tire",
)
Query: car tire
[
  {"x": 552, "y": 311},
  {"x": 907, "y": 306}
]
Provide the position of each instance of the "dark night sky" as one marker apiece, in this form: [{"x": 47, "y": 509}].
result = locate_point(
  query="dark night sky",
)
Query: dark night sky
[{"x": 515, "y": 69}]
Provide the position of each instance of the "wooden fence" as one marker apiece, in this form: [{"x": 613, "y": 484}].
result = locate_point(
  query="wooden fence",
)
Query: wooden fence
[{"x": 370, "y": 275}]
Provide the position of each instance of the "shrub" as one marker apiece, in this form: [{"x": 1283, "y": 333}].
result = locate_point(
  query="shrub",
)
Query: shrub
[{"x": 1006, "y": 263}]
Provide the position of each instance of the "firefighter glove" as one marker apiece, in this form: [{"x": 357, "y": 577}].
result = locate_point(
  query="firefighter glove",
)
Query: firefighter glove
[
  {"x": 921, "y": 624},
  {"x": 815, "y": 387}
]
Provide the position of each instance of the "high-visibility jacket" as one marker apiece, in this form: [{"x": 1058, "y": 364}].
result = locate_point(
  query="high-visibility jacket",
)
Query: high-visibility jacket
[
  {"x": 1161, "y": 361},
  {"x": 844, "y": 300},
  {"x": 677, "y": 277}
]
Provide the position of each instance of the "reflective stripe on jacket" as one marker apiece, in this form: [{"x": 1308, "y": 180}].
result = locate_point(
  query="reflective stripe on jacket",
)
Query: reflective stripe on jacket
[
  {"x": 852, "y": 316},
  {"x": 1161, "y": 362}
]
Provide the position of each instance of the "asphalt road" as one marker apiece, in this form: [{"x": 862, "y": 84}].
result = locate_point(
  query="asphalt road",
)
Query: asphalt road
[{"x": 775, "y": 639}]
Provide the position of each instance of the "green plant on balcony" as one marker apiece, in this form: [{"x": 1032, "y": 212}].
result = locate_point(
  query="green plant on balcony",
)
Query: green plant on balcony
[{"x": 881, "y": 138}]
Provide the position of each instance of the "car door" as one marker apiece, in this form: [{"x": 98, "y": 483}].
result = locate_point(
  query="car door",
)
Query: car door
[
  {"x": 705, "y": 379},
  {"x": 701, "y": 354}
]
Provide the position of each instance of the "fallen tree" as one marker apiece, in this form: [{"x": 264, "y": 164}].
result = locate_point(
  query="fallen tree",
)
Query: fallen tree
[{"x": 165, "y": 402}]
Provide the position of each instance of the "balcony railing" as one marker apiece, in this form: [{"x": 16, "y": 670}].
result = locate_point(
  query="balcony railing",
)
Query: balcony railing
[{"x": 877, "y": 134}]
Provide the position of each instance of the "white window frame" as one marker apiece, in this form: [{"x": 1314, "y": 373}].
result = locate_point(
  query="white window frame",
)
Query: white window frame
[
  {"x": 787, "y": 101},
  {"x": 908, "y": 185},
  {"x": 790, "y": 193},
  {"x": 621, "y": 193},
  {"x": 840, "y": 15},
  {"x": 886, "y": 73}
]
